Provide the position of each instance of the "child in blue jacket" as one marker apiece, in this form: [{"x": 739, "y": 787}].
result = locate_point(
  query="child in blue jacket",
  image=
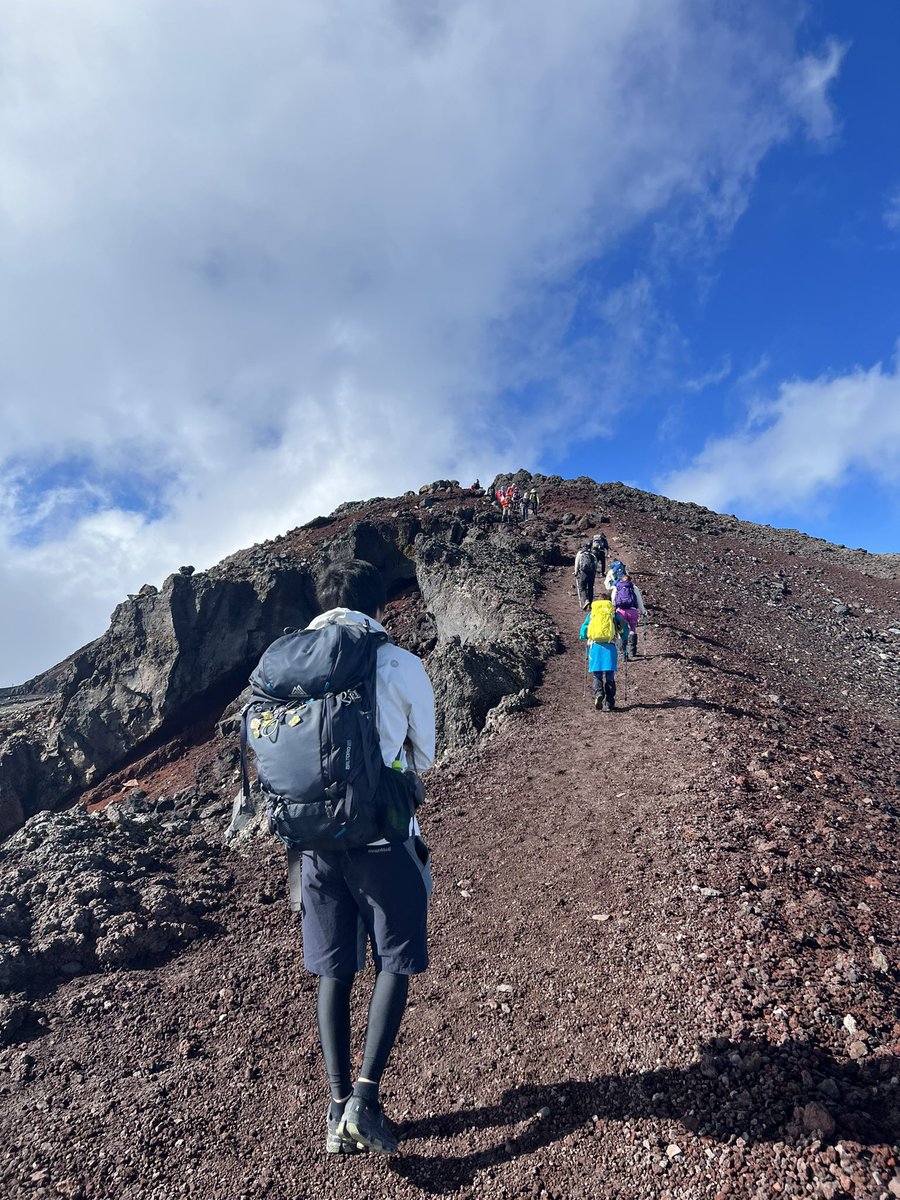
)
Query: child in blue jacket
[{"x": 603, "y": 659}]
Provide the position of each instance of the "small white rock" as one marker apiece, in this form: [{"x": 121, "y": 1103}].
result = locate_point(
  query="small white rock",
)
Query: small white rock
[{"x": 879, "y": 961}]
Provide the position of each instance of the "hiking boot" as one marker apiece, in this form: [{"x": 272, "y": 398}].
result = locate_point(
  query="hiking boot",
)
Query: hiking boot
[
  {"x": 335, "y": 1141},
  {"x": 367, "y": 1125},
  {"x": 611, "y": 696},
  {"x": 633, "y": 646},
  {"x": 598, "y": 701}
]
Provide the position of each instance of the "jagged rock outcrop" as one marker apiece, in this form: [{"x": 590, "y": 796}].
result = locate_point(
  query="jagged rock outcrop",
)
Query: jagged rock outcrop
[
  {"x": 165, "y": 659},
  {"x": 182, "y": 655}
]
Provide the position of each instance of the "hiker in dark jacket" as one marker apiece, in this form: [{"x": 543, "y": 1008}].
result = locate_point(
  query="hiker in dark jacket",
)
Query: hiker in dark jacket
[
  {"x": 585, "y": 574},
  {"x": 378, "y": 893},
  {"x": 600, "y": 545}
]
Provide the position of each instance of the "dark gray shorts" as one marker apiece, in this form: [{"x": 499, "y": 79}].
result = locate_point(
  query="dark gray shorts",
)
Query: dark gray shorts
[{"x": 376, "y": 895}]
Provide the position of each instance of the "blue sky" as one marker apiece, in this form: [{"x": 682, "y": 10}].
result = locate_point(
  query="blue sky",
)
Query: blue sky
[{"x": 332, "y": 250}]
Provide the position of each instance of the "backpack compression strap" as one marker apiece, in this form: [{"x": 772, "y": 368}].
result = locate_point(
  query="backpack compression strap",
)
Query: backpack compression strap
[{"x": 243, "y": 810}]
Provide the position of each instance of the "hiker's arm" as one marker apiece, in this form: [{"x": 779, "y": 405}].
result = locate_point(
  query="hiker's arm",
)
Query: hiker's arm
[
  {"x": 640, "y": 600},
  {"x": 584, "y": 627},
  {"x": 420, "y": 717}
]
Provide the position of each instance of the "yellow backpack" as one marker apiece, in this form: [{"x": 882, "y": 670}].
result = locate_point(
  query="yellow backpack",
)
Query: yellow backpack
[{"x": 602, "y": 625}]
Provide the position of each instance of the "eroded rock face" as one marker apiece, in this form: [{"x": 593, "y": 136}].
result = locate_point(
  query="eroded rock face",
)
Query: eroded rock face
[{"x": 165, "y": 658}]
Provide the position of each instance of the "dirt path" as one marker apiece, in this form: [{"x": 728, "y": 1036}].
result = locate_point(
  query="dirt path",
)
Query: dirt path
[{"x": 547, "y": 957}]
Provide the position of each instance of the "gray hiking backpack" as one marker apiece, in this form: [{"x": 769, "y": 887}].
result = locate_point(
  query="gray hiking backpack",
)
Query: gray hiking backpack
[{"x": 311, "y": 726}]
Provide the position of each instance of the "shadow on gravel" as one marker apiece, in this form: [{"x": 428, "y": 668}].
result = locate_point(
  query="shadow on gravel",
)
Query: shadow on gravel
[
  {"x": 753, "y": 1090},
  {"x": 690, "y": 633},
  {"x": 700, "y": 660},
  {"x": 707, "y": 705}
]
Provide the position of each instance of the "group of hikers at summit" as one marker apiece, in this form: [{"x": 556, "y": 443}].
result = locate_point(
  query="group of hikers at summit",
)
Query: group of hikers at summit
[
  {"x": 516, "y": 503},
  {"x": 610, "y": 619}
]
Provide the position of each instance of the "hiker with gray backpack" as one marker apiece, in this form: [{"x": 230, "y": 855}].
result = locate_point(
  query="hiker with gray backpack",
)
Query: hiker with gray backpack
[
  {"x": 599, "y": 545},
  {"x": 340, "y": 721},
  {"x": 585, "y": 574}
]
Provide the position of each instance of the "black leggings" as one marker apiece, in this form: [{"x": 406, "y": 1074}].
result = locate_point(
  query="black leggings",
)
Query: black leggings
[{"x": 386, "y": 1010}]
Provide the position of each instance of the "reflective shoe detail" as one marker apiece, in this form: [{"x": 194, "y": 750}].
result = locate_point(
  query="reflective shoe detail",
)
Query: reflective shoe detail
[
  {"x": 368, "y": 1126},
  {"x": 335, "y": 1141}
]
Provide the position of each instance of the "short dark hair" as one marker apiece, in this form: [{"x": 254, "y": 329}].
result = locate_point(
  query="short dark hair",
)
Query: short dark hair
[{"x": 351, "y": 583}]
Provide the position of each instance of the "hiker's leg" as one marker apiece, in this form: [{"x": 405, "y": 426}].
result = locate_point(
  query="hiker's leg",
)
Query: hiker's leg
[
  {"x": 386, "y": 1010},
  {"x": 334, "y": 937},
  {"x": 333, "y": 949},
  {"x": 392, "y": 885},
  {"x": 611, "y": 689},
  {"x": 333, "y": 1020}
]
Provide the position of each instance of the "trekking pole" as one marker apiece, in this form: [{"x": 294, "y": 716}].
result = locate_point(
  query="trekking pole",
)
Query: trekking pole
[{"x": 584, "y": 679}]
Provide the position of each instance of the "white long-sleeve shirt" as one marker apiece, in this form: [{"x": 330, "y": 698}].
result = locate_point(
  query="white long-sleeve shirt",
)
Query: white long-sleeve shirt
[{"x": 404, "y": 698}]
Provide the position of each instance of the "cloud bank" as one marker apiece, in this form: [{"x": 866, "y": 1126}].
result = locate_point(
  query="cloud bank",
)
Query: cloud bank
[
  {"x": 806, "y": 441},
  {"x": 261, "y": 259}
]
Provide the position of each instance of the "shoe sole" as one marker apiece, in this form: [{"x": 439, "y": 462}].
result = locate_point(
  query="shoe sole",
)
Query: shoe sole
[
  {"x": 375, "y": 1145},
  {"x": 335, "y": 1144}
]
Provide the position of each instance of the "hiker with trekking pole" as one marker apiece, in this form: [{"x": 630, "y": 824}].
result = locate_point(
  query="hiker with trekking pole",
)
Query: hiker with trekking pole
[
  {"x": 629, "y": 604},
  {"x": 599, "y": 630}
]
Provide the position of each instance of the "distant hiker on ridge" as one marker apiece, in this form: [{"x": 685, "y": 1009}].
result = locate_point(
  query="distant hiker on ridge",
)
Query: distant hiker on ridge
[{"x": 585, "y": 574}]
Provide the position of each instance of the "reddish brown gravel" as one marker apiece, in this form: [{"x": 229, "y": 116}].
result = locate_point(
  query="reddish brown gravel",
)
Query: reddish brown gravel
[{"x": 663, "y": 955}]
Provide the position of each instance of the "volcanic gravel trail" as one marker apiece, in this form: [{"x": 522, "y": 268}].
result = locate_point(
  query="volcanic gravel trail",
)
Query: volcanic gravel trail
[{"x": 546, "y": 928}]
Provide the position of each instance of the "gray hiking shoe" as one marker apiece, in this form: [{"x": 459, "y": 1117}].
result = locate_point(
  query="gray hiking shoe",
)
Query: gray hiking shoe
[
  {"x": 335, "y": 1141},
  {"x": 367, "y": 1125},
  {"x": 598, "y": 701}
]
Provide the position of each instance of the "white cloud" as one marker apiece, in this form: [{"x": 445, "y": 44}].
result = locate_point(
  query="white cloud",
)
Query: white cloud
[
  {"x": 263, "y": 258},
  {"x": 709, "y": 378},
  {"x": 807, "y": 89},
  {"x": 892, "y": 211},
  {"x": 797, "y": 446}
]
